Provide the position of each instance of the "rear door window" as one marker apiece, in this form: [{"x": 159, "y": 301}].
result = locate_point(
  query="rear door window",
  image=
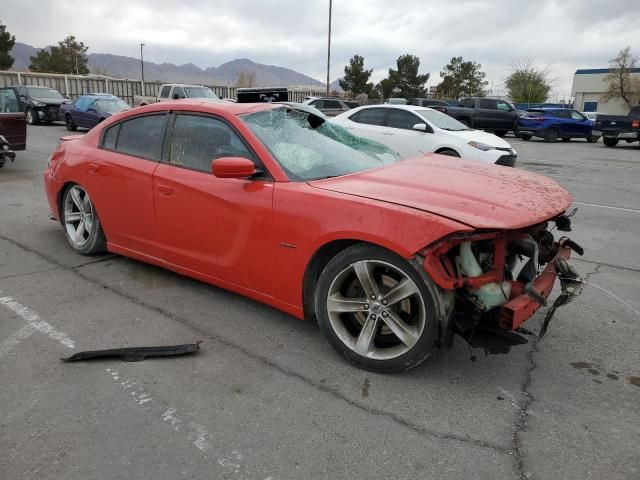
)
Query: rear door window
[
  {"x": 488, "y": 104},
  {"x": 370, "y": 116},
  {"x": 562, "y": 114},
  {"x": 165, "y": 91},
  {"x": 142, "y": 136}
]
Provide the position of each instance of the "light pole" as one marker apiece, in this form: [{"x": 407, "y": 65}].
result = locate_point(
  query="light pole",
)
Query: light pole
[
  {"x": 329, "y": 47},
  {"x": 142, "y": 66}
]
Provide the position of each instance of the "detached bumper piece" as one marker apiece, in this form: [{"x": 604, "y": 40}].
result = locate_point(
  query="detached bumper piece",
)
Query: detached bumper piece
[{"x": 135, "y": 354}]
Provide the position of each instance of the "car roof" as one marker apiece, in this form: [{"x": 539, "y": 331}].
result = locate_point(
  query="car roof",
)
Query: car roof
[
  {"x": 400, "y": 106},
  {"x": 204, "y": 105}
]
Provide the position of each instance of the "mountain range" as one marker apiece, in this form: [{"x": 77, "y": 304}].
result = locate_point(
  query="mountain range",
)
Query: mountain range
[{"x": 119, "y": 66}]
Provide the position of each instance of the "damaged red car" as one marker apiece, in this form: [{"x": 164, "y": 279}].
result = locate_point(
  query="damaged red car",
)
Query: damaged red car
[{"x": 391, "y": 257}]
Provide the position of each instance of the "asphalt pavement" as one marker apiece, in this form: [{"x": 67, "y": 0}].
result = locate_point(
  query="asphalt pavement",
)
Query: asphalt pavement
[{"x": 267, "y": 397}]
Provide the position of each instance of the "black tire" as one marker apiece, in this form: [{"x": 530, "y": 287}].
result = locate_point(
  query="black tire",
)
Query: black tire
[
  {"x": 592, "y": 139},
  {"x": 449, "y": 153},
  {"x": 500, "y": 133},
  {"x": 566, "y": 139},
  {"x": 424, "y": 294},
  {"x": 610, "y": 142},
  {"x": 71, "y": 126},
  {"x": 31, "y": 117},
  {"x": 96, "y": 241},
  {"x": 525, "y": 136},
  {"x": 551, "y": 136}
]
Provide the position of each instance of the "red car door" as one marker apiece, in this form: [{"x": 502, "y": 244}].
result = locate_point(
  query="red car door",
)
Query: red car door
[
  {"x": 214, "y": 226},
  {"x": 119, "y": 179}
]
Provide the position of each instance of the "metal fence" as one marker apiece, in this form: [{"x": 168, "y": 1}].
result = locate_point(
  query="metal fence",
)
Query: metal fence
[{"x": 73, "y": 86}]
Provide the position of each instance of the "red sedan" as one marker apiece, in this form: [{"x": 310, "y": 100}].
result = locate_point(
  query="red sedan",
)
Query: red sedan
[{"x": 391, "y": 257}]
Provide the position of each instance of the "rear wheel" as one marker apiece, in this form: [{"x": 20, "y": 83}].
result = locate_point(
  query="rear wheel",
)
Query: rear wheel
[
  {"x": 71, "y": 126},
  {"x": 82, "y": 225},
  {"x": 551, "y": 136},
  {"x": 525, "y": 136},
  {"x": 500, "y": 133},
  {"x": 592, "y": 139},
  {"x": 566, "y": 139},
  {"x": 610, "y": 142},
  {"x": 376, "y": 309}
]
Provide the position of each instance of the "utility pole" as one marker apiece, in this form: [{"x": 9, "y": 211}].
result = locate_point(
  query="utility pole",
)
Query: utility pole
[
  {"x": 142, "y": 67},
  {"x": 329, "y": 47}
]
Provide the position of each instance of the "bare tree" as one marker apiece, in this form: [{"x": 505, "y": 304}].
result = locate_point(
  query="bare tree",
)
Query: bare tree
[
  {"x": 245, "y": 79},
  {"x": 621, "y": 83}
]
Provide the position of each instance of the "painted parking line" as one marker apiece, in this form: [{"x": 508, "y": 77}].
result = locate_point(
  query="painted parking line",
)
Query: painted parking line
[
  {"x": 195, "y": 432},
  {"x": 14, "y": 340},
  {"x": 633, "y": 210},
  {"x": 34, "y": 321}
]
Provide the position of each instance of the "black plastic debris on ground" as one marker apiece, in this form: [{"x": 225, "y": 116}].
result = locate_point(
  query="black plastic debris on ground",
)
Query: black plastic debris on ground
[{"x": 135, "y": 354}]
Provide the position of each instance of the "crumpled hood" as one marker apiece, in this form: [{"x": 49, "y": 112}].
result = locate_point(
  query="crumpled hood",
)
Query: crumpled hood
[{"x": 473, "y": 193}]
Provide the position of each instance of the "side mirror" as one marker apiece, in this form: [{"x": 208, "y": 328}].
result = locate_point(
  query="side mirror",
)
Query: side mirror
[
  {"x": 176, "y": 96},
  {"x": 232, "y": 167},
  {"x": 421, "y": 127}
]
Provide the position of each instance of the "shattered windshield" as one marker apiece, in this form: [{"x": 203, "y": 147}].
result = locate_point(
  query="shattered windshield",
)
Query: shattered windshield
[{"x": 309, "y": 148}]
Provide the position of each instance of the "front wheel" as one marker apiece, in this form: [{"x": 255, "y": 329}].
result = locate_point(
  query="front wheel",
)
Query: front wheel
[
  {"x": 32, "y": 117},
  {"x": 525, "y": 136},
  {"x": 71, "y": 126},
  {"x": 449, "y": 153},
  {"x": 566, "y": 139},
  {"x": 551, "y": 136},
  {"x": 82, "y": 225},
  {"x": 500, "y": 133},
  {"x": 610, "y": 142},
  {"x": 376, "y": 309}
]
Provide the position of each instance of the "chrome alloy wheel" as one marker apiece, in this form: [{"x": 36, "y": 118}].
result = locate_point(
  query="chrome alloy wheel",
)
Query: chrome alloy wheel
[
  {"x": 79, "y": 216},
  {"x": 376, "y": 310}
]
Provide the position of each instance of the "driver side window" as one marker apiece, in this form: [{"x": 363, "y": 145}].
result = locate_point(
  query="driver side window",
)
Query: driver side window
[{"x": 197, "y": 140}]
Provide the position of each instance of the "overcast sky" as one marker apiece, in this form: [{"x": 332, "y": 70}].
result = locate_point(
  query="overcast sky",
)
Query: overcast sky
[{"x": 560, "y": 35}]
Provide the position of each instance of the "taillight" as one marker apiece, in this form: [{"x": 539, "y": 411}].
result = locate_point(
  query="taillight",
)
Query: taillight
[{"x": 635, "y": 123}]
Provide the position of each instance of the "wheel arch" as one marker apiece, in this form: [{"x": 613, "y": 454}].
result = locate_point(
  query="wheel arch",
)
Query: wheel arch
[
  {"x": 319, "y": 260},
  {"x": 444, "y": 149}
]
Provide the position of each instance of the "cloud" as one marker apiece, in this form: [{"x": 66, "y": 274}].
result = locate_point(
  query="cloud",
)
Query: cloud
[{"x": 561, "y": 35}]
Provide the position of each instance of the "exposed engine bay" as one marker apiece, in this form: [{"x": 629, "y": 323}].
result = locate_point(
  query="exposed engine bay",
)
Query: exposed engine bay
[{"x": 495, "y": 281}]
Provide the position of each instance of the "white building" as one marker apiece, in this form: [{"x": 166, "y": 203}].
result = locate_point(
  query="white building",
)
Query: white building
[{"x": 589, "y": 86}]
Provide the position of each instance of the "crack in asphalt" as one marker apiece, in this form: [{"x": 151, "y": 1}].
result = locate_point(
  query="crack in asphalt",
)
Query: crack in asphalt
[
  {"x": 426, "y": 432},
  {"x": 602, "y": 264},
  {"x": 520, "y": 422},
  {"x": 26, "y": 274}
]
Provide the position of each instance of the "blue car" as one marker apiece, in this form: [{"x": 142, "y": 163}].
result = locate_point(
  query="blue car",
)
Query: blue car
[
  {"x": 553, "y": 124},
  {"x": 89, "y": 110}
]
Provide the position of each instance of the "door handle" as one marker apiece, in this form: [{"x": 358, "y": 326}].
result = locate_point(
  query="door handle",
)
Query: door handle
[
  {"x": 165, "y": 190},
  {"x": 93, "y": 168}
]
